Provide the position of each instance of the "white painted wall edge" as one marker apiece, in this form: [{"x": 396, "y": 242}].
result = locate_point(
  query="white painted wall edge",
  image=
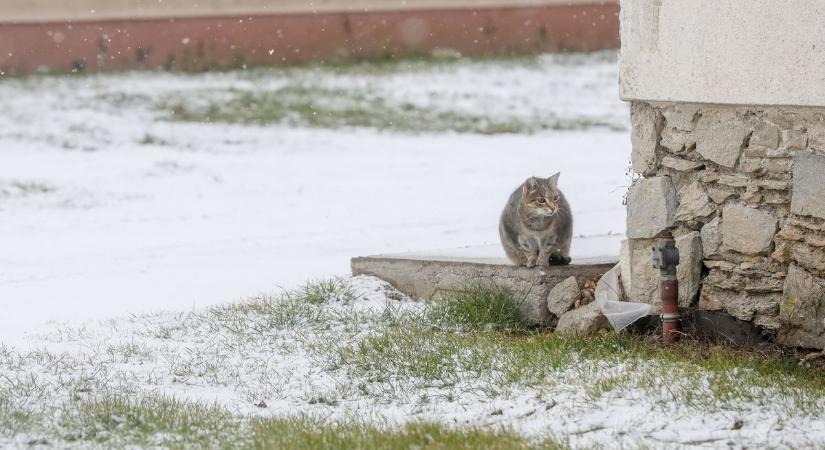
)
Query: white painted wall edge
[
  {"x": 746, "y": 52},
  {"x": 27, "y": 11}
]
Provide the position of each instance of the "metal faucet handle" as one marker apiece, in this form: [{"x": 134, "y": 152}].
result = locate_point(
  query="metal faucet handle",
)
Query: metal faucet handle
[{"x": 666, "y": 256}]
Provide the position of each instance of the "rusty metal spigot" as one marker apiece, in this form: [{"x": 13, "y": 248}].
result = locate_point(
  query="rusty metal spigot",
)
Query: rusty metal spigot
[{"x": 666, "y": 259}]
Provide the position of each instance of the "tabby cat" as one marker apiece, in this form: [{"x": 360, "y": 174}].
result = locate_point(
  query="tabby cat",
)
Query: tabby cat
[{"x": 536, "y": 225}]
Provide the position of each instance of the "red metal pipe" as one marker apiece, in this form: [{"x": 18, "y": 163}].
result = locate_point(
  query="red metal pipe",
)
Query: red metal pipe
[
  {"x": 671, "y": 326},
  {"x": 666, "y": 259}
]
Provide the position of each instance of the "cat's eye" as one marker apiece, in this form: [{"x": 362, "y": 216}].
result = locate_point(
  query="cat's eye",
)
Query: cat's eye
[
  {"x": 542, "y": 201},
  {"x": 556, "y": 197}
]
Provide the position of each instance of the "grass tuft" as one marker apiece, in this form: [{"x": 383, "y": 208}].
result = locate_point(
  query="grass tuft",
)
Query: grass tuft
[
  {"x": 289, "y": 310},
  {"x": 155, "y": 421},
  {"x": 479, "y": 305},
  {"x": 13, "y": 419},
  {"x": 330, "y": 290},
  {"x": 164, "y": 422},
  {"x": 307, "y": 433}
]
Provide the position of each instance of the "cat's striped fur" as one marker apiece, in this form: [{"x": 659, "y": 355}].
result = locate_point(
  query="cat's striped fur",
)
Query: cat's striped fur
[{"x": 536, "y": 226}]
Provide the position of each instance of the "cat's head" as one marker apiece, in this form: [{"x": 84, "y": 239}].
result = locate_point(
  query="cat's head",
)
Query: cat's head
[{"x": 541, "y": 196}]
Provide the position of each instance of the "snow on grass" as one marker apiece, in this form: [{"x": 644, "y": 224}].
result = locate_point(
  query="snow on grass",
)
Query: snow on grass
[
  {"x": 111, "y": 204},
  {"x": 123, "y": 195},
  {"x": 355, "y": 352},
  {"x": 470, "y": 97}
]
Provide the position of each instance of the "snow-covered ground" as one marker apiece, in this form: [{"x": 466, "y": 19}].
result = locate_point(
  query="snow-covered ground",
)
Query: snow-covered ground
[
  {"x": 112, "y": 208},
  {"x": 108, "y": 206},
  {"x": 369, "y": 354}
]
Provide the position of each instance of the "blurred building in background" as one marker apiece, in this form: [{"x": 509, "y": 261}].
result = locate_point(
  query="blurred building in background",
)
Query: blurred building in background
[{"x": 93, "y": 35}]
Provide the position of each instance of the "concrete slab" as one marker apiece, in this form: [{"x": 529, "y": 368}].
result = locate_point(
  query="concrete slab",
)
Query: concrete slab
[
  {"x": 429, "y": 275},
  {"x": 589, "y": 250}
]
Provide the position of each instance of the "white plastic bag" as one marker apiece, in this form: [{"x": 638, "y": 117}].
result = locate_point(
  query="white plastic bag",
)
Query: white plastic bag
[{"x": 620, "y": 314}]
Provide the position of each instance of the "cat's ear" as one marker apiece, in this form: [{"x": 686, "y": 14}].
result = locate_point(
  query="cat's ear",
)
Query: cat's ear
[
  {"x": 530, "y": 185},
  {"x": 554, "y": 180}
]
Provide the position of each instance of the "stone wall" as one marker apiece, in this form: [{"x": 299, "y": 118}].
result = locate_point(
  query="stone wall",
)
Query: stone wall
[{"x": 743, "y": 189}]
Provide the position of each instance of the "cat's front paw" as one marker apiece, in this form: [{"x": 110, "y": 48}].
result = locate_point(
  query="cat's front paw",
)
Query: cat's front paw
[{"x": 559, "y": 260}]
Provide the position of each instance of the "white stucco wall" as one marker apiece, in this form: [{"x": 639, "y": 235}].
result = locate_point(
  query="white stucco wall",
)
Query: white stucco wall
[{"x": 749, "y": 52}]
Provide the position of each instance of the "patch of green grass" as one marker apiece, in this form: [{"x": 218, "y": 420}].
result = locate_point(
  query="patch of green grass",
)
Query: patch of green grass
[
  {"x": 319, "y": 107},
  {"x": 704, "y": 376},
  {"x": 270, "y": 312},
  {"x": 289, "y": 310},
  {"x": 118, "y": 422},
  {"x": 472, "y": 343},
  {"x": 737, "y": 375},
  {"x": 13, "y": 419},
  {"x": 478, "y": 333},
  {"x": 415, "y": 357},
  {"x": 312, "y": 96},
  {"x": 330, "y": 290},
  {"x": 305, "y": 433},
  {"x": 127, "y": 352},
  {"x": 479, "y": 305}
]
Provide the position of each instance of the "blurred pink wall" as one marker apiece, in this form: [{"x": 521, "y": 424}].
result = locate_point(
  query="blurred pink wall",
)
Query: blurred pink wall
[{"x": 198, "y": 42}]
